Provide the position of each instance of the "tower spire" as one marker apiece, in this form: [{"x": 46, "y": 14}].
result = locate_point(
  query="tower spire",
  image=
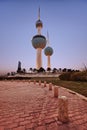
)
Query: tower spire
[
  {"x": 39, "y": 13},
  {"x": 39, "y": 23},
  {"x": 48, "y": 42}
]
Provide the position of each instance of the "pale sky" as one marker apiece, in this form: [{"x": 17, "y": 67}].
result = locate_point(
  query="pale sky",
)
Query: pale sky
[{"x": 66, "y": 22}]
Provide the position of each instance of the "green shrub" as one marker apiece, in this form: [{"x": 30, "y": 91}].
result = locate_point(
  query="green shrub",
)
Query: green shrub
[
  {"x": 74, "y": 76},
  {"x": 65, "y": 76},
  {"x": 79, "y": 76}
]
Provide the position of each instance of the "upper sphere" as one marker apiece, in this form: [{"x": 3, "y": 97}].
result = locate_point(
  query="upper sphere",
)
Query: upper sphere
[
  {"x": 39, "y": 41},
  {"x": 48, "y": 51},
  {"x": 39, "y": 23}
]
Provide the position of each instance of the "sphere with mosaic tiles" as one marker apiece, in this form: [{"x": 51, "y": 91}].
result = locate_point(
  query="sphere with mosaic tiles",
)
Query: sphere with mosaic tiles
[
  {"x": 39, "y": 41},
  {"x": 48, "y": 51}
]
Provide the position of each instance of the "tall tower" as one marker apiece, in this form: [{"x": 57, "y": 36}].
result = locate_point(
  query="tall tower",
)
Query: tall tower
[
  {"x": 39, "y": 42},
  {"x": 48, "y": 51}
]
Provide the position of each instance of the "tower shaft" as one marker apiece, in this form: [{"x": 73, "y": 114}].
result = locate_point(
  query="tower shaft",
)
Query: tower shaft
[
  {"x": 39, "y": 30},
  {"x": 48, "y": 62},
  {"x": 39, "y": 13},
  {"x": 39, "y": 58}
]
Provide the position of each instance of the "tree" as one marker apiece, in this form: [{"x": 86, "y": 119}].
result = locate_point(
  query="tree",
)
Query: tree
[
  {"x": 85, "y": 67},
  {"x": 69, "y": 70},
  {"x": 48, "y": 69},
  {"x": 60, "y": 69},
  {"x": 34, "y": 70},
  {"x": 41, "y": 70},
  {"x": 31, "y": 69},
  {"x": 12, "y": 73},
  {"x": 64, "y": 70},
  {"x": 54, "y": 70},
  {"x": 24, "y": 70},
  {"x": 8, "y": 74}
]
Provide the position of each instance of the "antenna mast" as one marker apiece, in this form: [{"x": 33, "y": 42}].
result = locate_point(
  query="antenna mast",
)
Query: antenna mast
[{"x": 48, "y": 42}]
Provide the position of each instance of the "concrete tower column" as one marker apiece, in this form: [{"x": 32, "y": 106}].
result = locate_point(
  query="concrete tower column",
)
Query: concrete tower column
[
  {"x": 48, "y": 62},
  {"x": 39, "y": 58},
  {"x": 39, "y": 30}
]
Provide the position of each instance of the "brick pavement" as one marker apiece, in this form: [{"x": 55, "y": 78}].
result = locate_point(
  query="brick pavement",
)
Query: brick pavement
[{"x": 25, "y": 106}]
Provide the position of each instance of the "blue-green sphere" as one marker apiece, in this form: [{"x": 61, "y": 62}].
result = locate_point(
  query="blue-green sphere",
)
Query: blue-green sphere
[
  {"x": 48, "y": 51},
  {"x": 39, "y": 41}
]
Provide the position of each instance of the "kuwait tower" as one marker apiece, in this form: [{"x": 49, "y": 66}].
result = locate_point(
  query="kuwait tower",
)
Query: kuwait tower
[
  {"x": 39, "y": 42},
  {"x": 48, "y": 51}
]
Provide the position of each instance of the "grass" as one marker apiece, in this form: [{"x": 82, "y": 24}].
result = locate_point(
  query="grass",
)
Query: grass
[{"x": 79, "y": 87}]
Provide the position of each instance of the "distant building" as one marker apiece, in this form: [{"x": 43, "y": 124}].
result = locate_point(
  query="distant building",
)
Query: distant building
[{"x": 19, "y": 67}]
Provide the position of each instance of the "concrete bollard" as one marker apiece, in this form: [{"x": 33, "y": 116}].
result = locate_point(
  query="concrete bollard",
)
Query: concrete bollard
[
  {"x": 34, "y": 81},
  {"x": 45, "y": 84},
  {"x": 63, "y": 109},
  {"x": 29, "y": 81},
  {"x": 50, "y": 86},
  {"x": 39, "y": 82},
  {"x": 56, "y": 91}
]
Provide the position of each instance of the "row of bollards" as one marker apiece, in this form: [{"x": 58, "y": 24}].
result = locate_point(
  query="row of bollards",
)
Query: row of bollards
[
  {"x": 62, "y": 102},
  {"x": 62, "y": 106}
]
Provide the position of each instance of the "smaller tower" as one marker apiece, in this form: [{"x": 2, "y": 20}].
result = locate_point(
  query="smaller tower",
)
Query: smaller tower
[{"x": 48, "y": 51}]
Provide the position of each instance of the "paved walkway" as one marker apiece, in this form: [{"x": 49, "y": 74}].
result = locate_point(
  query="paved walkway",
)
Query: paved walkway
[{"x": 25, "y": 106}]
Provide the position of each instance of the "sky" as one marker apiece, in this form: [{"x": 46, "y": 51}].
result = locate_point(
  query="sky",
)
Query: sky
[{"x": 66, "y": 22}]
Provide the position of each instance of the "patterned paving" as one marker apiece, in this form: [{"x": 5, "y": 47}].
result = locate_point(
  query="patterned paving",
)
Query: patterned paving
[{"x": 28, "y": 106}]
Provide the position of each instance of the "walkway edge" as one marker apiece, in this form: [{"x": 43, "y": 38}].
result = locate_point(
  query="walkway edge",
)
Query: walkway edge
[{"x": 81, "y": 96}]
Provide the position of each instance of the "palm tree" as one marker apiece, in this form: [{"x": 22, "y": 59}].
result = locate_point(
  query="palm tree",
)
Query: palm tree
[
  {"x": 24, "y": 70},
  {"x": 41, "y": 69},
  {"x": 48, "y": 69},
  {"x": 31, "y": 69}
]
